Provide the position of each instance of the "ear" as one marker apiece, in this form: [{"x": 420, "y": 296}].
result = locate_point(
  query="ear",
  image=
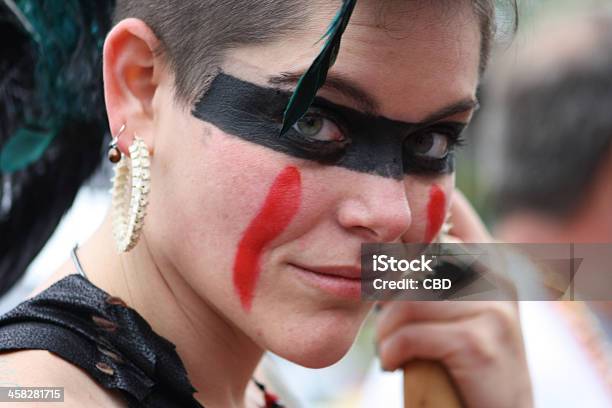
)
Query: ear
[{"x": 131, "y": 79}]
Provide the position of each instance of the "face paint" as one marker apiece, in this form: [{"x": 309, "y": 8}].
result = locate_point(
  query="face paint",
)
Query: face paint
[
  {"x": 279, "y": 208},
  {"x": 359, "y": 142},
  {"x": 436, "y": 212}
]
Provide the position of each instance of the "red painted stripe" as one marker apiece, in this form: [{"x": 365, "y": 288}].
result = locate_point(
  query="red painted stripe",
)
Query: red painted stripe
[
  {"x": 436, "y": 212},
  {"x": 279, "y": 208}
]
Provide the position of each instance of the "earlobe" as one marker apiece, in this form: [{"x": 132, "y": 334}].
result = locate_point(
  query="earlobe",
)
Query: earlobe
[{"x": 130, "y": 82}]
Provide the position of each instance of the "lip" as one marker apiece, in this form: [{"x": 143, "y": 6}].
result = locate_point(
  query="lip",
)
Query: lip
[{"x": 341, "y": 281}]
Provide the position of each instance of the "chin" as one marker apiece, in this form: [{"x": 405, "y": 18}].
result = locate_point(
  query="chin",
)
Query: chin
[
  {"x": 317, "y": 342},
  {"x": 318, "y": 354}
]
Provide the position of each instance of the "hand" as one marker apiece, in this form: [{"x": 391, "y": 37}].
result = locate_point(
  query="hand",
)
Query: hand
[{"x": 479, "y": 342}]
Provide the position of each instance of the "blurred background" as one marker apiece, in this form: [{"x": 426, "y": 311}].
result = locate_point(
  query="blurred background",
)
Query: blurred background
[{"x": 538, "y": 168}]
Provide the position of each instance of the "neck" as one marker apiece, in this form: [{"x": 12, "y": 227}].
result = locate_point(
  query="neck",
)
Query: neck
[{"x": 218, "y": 357}]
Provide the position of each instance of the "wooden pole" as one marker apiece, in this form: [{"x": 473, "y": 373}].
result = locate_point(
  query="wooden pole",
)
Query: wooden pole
[{"x": 427, "y": 384}]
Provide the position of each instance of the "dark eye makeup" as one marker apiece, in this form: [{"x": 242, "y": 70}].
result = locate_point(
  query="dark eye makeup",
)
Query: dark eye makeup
[
  {"x": 329, "y": 133},
  {"x": 432, "y": 146}
]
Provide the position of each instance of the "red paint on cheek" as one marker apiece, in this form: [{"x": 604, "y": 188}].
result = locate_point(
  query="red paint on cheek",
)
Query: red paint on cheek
[
  {"x": 436, "y": 212},
  {"x": 279, "y": 208}
]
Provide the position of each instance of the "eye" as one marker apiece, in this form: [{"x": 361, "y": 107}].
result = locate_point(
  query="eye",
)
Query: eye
[
  {"x": 433, "y": 145},
  {"x": 317, "y": 127}
]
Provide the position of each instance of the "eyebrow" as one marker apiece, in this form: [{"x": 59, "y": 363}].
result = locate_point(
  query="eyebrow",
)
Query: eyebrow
[
  {"x": 366, "y": 103},
  {"x": 342, "y": 85}
]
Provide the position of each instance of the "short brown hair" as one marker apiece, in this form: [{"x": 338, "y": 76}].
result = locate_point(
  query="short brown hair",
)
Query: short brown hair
[{"x": 195, "y": 33}]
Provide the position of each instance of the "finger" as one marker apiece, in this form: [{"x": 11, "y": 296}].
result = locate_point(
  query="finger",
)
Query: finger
[
  {"x": 428, "y": 341},
  {"x": 398, "y": 314},
  {"x": 466, "y": 224}
]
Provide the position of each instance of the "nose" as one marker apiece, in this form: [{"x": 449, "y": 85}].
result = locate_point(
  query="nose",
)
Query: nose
[{"x": 378, "y": 211}]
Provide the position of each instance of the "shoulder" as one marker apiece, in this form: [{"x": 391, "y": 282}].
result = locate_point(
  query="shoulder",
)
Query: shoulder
[{"x": 41, "y": 368}]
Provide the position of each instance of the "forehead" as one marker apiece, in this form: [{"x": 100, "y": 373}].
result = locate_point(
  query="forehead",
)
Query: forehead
[{"x": 411, "y": 57}]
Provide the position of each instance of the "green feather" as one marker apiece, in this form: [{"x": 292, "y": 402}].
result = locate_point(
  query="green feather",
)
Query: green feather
[
  {"x": 313, "y": 79},
  {"x": 23, "y": 148}
]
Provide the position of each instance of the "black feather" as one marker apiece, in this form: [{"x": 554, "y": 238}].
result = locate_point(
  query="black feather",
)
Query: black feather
[{"x": 314, "y": 78}]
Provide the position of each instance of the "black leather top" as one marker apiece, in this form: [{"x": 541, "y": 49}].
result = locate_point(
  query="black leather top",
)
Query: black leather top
[{"x": 86, "y": 326}]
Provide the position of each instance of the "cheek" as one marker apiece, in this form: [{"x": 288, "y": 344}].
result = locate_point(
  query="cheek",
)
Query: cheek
[
  {"x": 225, "y": 199},
  {"x": 429, "y": 202},
  {"x": 436, "y": 212},
  {"x": 279, "y": 208}
]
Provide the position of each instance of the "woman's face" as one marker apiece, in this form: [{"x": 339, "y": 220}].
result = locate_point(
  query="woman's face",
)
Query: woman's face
[{"x": 268, "y": 229}]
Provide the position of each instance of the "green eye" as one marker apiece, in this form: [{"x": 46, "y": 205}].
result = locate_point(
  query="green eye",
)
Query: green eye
[
  {"x": 309, "y": 126},
  {"x": 317, "y": 127},
  {"x": 431, "y": 145}
]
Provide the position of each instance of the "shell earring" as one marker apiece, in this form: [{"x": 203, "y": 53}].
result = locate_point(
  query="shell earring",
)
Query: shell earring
[{"x": 130, "y": 195}]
